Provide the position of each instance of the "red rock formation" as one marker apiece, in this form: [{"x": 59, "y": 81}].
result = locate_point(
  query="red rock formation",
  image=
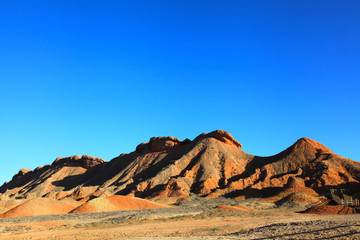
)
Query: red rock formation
[
  {"x": 84, "y": 161},
  {"x": 116, "y": 203},
  {"x": 40, "y": 206},
  {"x": 296, "y": 185},
  {"x": 211, "y": 165}
]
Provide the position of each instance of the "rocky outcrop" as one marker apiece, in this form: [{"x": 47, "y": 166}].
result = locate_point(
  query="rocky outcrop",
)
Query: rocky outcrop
[
  {"x": 89, "y": 161},
  {"x": 75, "y": 159},
  {"x": 22, "y": 173},
  {"x": 225, "y": 137},
  {"x": 158, "y": 144},
  {"x": 296, "y": 185},
  {"x": 84, "y": 161}
]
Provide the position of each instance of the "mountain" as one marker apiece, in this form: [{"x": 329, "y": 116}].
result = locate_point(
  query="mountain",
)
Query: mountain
[{"x": 211, "y": 165}]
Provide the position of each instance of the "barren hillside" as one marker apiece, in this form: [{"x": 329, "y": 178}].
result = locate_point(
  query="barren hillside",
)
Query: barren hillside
[{"x": 211, "y": 165}]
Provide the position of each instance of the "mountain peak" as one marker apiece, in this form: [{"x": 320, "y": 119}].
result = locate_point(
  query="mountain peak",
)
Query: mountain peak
[
  {"x": 158, "y": 144},
  {"x": 222, "y": 136},
  {"x": 308, "y": 144}
]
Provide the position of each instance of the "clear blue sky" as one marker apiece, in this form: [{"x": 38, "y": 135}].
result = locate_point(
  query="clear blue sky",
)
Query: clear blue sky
[{"x": 100, "y": 77}]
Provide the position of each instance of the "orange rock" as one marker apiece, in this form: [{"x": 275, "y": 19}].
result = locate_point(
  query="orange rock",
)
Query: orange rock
[
  {"x": 40, "y": 206},
  {"x": 211, "y": 165},
  {"x": 115, "y": 203},
  {"x": 296, "y": 185}
]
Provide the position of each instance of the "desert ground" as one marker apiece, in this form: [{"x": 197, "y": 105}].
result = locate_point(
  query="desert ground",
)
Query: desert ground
[{"x": 199, "y": 218}]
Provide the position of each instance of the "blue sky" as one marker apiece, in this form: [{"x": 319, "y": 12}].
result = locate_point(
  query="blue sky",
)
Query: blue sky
[{"x": 98, "y": 78}]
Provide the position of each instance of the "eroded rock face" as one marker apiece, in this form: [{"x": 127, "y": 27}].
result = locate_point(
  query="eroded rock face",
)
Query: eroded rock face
[
  {"x": 158, "y": 144},
  {"x": 84, "y": 161}
]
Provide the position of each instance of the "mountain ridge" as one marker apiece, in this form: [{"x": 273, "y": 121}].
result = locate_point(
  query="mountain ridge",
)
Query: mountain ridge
[{"x": 211, "y": 165}]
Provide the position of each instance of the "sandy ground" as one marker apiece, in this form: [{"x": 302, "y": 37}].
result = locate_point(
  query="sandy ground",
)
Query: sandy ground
[{"x": 187, "y": 221}]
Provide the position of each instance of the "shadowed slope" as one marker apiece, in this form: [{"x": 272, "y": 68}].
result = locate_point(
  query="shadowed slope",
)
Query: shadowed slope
[
  {"x": 56, "y": 181},
  {"x": 307, "y": 159}
]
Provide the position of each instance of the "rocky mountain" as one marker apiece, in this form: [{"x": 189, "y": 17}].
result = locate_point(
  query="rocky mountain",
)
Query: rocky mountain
[{"x": 211, "y": 165}]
